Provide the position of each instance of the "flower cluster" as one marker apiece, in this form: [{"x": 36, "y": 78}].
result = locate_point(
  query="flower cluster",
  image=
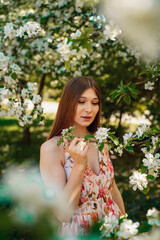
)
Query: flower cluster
[
  {"x": 153, "y": 216},
  {"x": 110, "y": 223},
  {"x": 100, "y": 137},
  {"x": 127, "y": 137},
  {"x": 138, "y": 180},
  {"x": 152, "y": 162},
  {"x": 111, "y": 31},
  {"x": 14, "y": 107},
  {"x": 101, "y": 134},
  {"x": 149, "y": 86},
  {"x": 68, "y": 52},
  {"x": 119, "y": 150},
  {"x": 143, "y": 128},
  {"x": 28, "y": 30},
  {"x": 3, "y": 61},
  {"x": 128, "y": 229}
]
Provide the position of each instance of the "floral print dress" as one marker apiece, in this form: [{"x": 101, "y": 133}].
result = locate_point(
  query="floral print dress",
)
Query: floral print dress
[{"x": 95, "y": 199}]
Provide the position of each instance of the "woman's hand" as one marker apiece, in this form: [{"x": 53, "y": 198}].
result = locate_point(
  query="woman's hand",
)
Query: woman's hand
[{"x": 78, "y": 149}]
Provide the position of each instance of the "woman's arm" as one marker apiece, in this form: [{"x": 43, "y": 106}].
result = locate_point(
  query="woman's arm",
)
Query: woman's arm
[
  {"x": 117, "y": 197},
  {"x": 53, "y": 175}
]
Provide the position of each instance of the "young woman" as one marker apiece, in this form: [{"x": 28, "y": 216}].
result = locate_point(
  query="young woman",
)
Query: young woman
[{"x": 83, "y": 174}]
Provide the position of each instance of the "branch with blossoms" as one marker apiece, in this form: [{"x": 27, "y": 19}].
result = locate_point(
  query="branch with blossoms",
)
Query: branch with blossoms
[
  {"x": 101, "y": 137},
  {"x": 123, "y": 228},
  {"x": 11, "y": 89},
  {"x": 16, "y": 97},
  {"x": 150, "y": 168}
]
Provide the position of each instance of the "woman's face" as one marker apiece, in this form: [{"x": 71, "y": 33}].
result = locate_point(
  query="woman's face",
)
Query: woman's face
[{"x": 87, "y": 108}]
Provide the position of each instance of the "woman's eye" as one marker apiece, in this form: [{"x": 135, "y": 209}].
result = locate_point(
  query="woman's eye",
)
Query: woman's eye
[{"x": 95, "y": 103}]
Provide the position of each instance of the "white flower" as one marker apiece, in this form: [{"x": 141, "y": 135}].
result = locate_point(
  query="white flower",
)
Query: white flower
[
  {"x": 9, "y": 31},
  {"x": 36, "y": 99},
  {"x": 101, "y": 134},
  {"x": 3, "y": 61},
  {"x": 31, "y": 28},
  {"x": 32, "y": 86},
  {"x": 141, "y": 130},
  {"x": 24, "y": 93},
  {"x": 26, "y": 119},
  {"x": 39, "y": 109},
  {"x": 111, "y": 31},
  {"x": 128, "y": 229},
  {"x": 152, "y": 161},
  {"x": 153, "y": 216},
  {"x": 10, "y": 81},
  {"x": 75, "y": 35},
  {"x": 119, "y": 150},
  {"x": 138, "y": 180},
  {"x": 127, "y": 137},
  {"x": 64, "y": 50},
  {"x": 110, "y": 222},
  {"x": 149, "y": 86},
  {"x": 152, "y": 212},
  {"x": 10, "y": 109},
  {"x": 82, "y": 53},
  {"x": 154, "y": 140},
  {"x": 15, "y": 68},
  {"x": 19, "y": 111},
  {"x": 144, "y": 150}
]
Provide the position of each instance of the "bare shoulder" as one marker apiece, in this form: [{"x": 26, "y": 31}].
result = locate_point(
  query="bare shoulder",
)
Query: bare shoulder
[
  {"x": 50, "y": 148},
  {"x": 50, "y": 145}
]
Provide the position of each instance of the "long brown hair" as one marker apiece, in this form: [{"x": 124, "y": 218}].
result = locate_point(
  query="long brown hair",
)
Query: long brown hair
[{"x": 68, "y": 102}]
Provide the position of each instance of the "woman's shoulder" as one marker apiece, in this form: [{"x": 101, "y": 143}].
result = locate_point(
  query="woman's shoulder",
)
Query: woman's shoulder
[{"x": 50, "y": 146}]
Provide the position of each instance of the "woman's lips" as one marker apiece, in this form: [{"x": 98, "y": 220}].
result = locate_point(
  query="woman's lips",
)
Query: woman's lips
[{"x": 86, "y": 118}]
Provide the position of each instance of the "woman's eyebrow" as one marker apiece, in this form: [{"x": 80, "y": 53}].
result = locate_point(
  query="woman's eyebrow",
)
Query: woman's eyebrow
[{"x": 86, "y": 97}]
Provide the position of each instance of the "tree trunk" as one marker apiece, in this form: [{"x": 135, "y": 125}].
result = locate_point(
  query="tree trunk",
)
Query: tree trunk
[
  {"x": 41, "y": 85},
  {"x": 26, "y": 136},
  {"x": 26, "y": 131}
]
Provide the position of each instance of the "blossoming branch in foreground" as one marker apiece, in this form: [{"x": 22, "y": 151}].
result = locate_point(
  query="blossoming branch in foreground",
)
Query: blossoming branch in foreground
[
  {"x": 153, "y": 216},
  {"x": 128, "y": 229}
]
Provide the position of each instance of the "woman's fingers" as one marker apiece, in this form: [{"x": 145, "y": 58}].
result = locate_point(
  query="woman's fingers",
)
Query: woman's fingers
[
  {"x": 81, "y": 145},
  {"x": 66, "y": 144}
]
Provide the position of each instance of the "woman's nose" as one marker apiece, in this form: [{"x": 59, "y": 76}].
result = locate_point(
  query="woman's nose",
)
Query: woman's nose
[{"x": 88, "y": 107}]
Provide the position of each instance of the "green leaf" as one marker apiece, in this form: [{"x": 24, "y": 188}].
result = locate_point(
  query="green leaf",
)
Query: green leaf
[
  {"x": 14, "y": 76},
  {"x": 148, "y": 134},
  {"x": 60, "y": 140},
  {"x": 101, "y": 146},
  {"x": 127, "y": 99},
  {"x": 145, "y": 190},
  {"x": 144, "y": 227},
  {"x": 115, "y": 94},
  {"x": 119, "y": 98},
  {"x": 143, "y": 72},
  {"x": 143, "y": 169},
  {"x": 150, "y": 177},
  {"x": 114, "y": 139},
  {"x": 88, "y": 45},
  {"x": 71, "y": 129},
  {"x": 129, "y": 148},
  {"x": 87, "y": 136},
  {"x": 67, "y": 65}
]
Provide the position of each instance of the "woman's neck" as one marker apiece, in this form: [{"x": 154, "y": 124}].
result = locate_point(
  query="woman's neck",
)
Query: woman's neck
[{"x": 80, "y": 131}]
